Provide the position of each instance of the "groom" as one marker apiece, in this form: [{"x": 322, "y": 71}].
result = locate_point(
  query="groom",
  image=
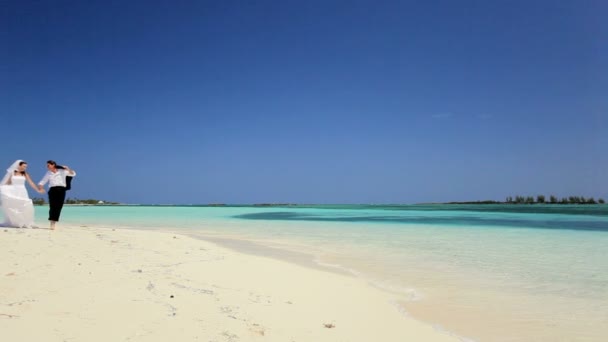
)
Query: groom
[{"x": 56, "y": 178}]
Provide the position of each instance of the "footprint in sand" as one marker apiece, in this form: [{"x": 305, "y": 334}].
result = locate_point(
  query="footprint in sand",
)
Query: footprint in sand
[{"x": 257, "y": 329}]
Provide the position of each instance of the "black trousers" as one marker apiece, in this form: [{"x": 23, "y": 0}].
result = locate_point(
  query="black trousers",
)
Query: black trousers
[{"x": 56, "y": 199}]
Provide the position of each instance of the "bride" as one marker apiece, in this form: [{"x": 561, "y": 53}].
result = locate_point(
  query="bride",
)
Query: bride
[{"x": 17, "y": 207}]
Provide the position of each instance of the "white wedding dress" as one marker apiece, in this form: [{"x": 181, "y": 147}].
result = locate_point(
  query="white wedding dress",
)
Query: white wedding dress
[{"x": 17, "y": 207}]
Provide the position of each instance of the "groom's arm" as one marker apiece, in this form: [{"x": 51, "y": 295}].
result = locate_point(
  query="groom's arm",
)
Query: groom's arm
[
  {"x": 69, "y": 171},
  {"x": 44, "y": 180}
]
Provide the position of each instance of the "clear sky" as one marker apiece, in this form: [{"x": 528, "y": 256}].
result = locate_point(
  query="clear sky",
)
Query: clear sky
[{"x": 308, "y": 101}]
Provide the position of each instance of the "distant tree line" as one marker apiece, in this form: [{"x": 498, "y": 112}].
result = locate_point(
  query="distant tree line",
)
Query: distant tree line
[
  {"x": 41, "y": 201},
  {"x": 541, "y": 199},
  {"x": 38, "y": 201}
]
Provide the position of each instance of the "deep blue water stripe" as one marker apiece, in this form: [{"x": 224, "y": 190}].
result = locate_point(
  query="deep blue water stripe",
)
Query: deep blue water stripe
[{"x": 571, "y": 224}]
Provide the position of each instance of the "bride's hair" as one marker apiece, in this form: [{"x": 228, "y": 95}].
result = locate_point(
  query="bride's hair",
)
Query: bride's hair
[{"x": 21, "y": 172}]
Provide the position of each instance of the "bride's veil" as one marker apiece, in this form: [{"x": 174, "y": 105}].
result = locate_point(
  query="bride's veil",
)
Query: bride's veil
[{"x": 10, "y": 171}]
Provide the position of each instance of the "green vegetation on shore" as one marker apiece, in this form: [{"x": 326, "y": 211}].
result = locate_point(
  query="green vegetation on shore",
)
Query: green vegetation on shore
[{"x": 540, "y": 199}]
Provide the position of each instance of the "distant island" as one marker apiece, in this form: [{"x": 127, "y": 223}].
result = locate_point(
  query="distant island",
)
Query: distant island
[
  {"x": 255, "y": 205},
  {"x": 76, "y": 201},
  {"x": 540, "y": 199}
]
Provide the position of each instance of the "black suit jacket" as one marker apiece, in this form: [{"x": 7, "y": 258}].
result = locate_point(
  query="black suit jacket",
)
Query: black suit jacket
[{"x": 68, "y": 179}]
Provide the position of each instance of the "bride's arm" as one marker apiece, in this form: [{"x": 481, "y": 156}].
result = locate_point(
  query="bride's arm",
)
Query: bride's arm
[{"x": 32, "y": 184}]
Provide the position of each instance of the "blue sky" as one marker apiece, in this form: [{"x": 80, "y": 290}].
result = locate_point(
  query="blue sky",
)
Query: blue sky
[{"x": 309, "y": 101}]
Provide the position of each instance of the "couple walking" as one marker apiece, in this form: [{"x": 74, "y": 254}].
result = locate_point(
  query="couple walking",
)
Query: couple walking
[{"x": 17, "y": 207}]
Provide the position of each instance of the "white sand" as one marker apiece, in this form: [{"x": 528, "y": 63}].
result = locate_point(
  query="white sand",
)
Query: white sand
[{"x": 96, "y": 284}]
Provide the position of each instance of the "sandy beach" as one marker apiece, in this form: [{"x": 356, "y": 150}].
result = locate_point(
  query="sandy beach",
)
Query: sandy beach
[{"x": 104, "y": 284}]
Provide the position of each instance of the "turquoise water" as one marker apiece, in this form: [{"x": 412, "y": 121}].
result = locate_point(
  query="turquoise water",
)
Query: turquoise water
[{"x": 488, "y": 272}]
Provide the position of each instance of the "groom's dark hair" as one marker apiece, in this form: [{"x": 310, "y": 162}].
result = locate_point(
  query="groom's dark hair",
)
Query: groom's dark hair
[{"x": 52, "y": 162}]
